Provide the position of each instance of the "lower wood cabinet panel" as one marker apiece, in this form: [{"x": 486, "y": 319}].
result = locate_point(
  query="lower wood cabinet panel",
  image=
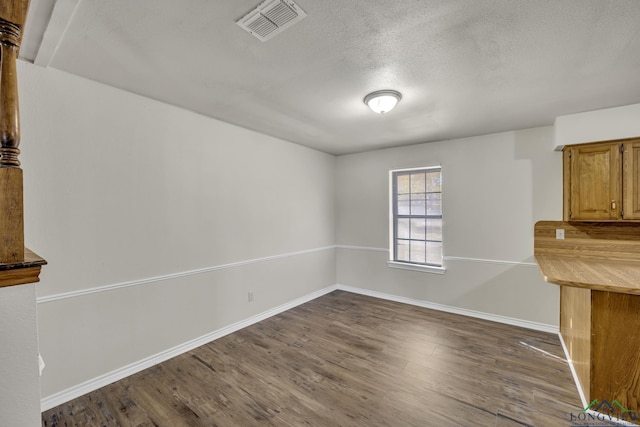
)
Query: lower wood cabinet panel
[
  {"x": 575, "y": 327},
  {"x": 615, "y": 346},
  {"x": 602, "y": 333}
]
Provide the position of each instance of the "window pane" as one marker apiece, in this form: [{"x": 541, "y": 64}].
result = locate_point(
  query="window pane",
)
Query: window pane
[
  {"x": 403, "y": 184},
  {"x": 402, "y": 250},
  {"x": 418, "y": 252},
  {"x": 403, "y": 228},
  {"x": 434, "y": 204},
  {"x": 418, "y": 204},
  {"x": 417, "y": 182},
  {"x": 434, "y": 181},
  {"x": 434, "y": 229},
  {"x": 418, "y": 228},
  {"x": 418, "y": 195},
  {"x": 434, "y": 253},
  {"x": 403, "y": 204}
]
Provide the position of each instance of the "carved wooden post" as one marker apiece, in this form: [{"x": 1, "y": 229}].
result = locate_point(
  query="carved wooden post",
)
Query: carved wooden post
[
  {"x": 12, "y": 17},
  {"x": 20, "y": 404}
]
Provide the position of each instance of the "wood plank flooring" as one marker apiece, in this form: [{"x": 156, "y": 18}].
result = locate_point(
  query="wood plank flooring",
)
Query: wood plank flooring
[{"x": 347, "y": 360}]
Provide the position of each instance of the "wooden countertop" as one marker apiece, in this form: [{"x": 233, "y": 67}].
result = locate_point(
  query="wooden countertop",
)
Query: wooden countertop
[
  {"x": 622, "y": 276},
  {"x": 600, "y": 256}
]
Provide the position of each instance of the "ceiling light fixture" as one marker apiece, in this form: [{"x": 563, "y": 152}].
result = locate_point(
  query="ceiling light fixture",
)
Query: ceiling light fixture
[{"x": 382, "y": 101}]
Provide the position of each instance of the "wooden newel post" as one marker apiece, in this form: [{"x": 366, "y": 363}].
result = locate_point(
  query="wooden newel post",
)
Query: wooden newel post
[
  {"x": 17, "y": 265},
  {"x": 11, "y": 202},
  {"x": 20, "y": 405},
  {"x": 9, "y": 113},
  {"x": 13, "y": 14}
]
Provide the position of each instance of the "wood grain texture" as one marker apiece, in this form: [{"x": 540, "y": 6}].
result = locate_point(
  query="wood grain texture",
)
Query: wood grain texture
[
  {"x": 31, "y": 259},
  {"x": 600, "y": 323},
  {"x": 14, "y": 11},
  {"x": 13, "y": 14},
  {"x": 599, "y": 232},
  {"x": 602, "y": 256},
  {"x": 631, "y": 179},
  {"x": 600, "y": 181},
  {"x": 20, "y": 276},
  {"x": 10, "y": 34},
  {"x": 602, "y": 275},
  {"x": 17, "y": 265},
  {"x": 595, "y": 181},
  {"x": 346, "y": 360},
  {"x": 615, "y": 371},
  {"x": 566, "y": 180},
  {"x": 11, "y": 216},
  {"x": 575, "y": 327},
  {"x": 23, "y": 272}
]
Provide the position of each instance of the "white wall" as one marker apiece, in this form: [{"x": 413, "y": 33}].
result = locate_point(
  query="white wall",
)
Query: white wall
[
  {"x": 157, "y": 222},
  {"x": 495, "y": 188},
  {"x": 158, "y": 210},
  {"x": 19, "y": 382},
  {"x": 599, "y": 125}
]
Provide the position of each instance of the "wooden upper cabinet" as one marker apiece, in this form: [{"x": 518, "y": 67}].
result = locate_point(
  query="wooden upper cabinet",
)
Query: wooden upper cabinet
[
  {"x": 602, "y": 181},
  {"x": 594, "y": 182},
  {"x": 631, "y": 179}
]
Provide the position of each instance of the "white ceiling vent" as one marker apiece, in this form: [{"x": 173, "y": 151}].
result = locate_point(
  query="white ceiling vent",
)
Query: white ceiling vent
[{"x": 271, "y": 17}]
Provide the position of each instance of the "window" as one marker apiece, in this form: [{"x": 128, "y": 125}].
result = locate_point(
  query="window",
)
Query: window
[{"x": 416, "y": 219}]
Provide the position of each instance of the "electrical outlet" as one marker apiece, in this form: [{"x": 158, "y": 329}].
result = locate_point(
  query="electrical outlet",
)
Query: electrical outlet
[
  {"x": 250, "y": 296},
  {"x": 559, "y": 233}
]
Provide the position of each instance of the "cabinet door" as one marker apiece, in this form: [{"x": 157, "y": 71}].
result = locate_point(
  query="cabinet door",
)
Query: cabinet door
[
  {"x": 631, "y": 179},
  {"x": 595, "y": 186}
]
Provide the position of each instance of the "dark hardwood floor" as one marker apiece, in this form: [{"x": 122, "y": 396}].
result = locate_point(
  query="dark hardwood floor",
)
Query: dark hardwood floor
[{"x": 347, "y": 360}]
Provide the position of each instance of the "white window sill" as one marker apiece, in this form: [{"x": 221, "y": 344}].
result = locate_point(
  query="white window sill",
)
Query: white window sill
[{"x": 416, "y": 267}]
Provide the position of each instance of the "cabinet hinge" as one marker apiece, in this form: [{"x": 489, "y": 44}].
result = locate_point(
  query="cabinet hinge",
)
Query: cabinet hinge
[
  {"x": 621, "y": 148},
  {"x": 570, "y": 213},
  {"x": 570, "y": 153},
  {"x": 622, "y": 213}
]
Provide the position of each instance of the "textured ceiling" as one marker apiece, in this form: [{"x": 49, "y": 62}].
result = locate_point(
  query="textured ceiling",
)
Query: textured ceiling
[{"x": 464, "y": 67}]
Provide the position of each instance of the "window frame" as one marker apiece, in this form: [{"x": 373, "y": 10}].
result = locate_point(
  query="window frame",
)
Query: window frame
[{"x": 393, "y": 216}]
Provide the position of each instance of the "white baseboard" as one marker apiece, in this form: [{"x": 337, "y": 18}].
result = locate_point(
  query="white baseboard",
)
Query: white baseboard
[
  {"x": 120, "y": 373},
  {"x": 455, "y": 310}
]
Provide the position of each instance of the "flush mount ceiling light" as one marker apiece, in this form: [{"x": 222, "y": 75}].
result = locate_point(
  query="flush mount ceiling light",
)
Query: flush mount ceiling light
[{"x": 382, "y": 101}]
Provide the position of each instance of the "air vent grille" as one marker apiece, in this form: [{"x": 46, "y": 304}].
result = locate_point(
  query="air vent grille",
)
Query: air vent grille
[
  {"x": 262, "y": 26},
  {"x": 270, "y": 18},
  {"x": 280, "y": 14}
]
